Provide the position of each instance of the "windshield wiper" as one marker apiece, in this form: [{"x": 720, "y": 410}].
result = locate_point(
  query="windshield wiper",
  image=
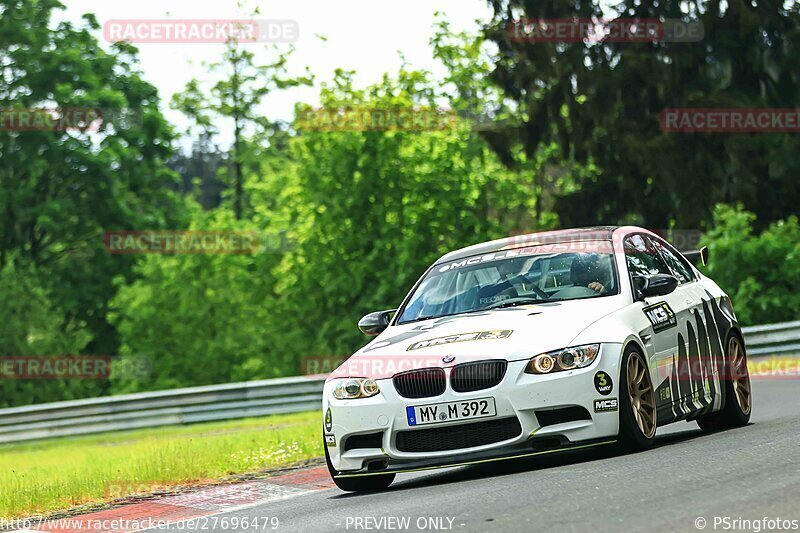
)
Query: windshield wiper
[
  {"x": 514, "y": 303},
  {"x": 498, "y": 305},
  {"x": 420, "y": 319}
]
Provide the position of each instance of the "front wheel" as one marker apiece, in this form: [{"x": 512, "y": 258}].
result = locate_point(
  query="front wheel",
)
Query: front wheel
[
  {"x": 637, "y": 413},
  {"x": 738, "y": 404},
  {"x": 358, "y": 484}
]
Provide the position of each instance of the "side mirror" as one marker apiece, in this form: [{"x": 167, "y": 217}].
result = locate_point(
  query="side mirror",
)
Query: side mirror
[
  {"x": 374, "y": 323},
  {"x": 655, "y": 285},
  {"x": 696, "y": 256}
]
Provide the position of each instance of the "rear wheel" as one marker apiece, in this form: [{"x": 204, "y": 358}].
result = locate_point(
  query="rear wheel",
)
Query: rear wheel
[
  {"x": 738, "y": 397},
  {"x": 358, "y": 484},
  {"x": 637, "y": 414}
]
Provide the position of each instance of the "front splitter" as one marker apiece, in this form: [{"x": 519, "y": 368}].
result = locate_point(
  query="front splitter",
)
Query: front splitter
[{"x": 504, "y": 454}]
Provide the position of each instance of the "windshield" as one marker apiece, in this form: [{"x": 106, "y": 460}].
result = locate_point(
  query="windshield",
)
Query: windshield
[{"x": 486, "y": 282}]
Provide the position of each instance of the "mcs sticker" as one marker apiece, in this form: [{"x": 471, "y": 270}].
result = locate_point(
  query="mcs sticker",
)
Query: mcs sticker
[
  {"x": 605, "y": 405},
  {"x": 661, "y": 316}
]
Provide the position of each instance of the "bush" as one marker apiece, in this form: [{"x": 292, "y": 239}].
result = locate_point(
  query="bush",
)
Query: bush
[
  {"x": 31, "y": 325},
  {"x": 761, "y": 273}
]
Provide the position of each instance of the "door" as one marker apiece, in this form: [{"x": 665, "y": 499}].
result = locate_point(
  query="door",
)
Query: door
[
  {"x": 666, "y": 335},
  {"x": 700, "y": 354}
]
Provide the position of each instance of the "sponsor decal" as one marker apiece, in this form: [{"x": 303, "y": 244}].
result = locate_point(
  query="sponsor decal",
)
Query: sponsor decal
[
  {"x": 603, "y": 383},
  {"x": 461, "y": 337},
  {"x": 330, "y": 441},
  {"x": 663, "y": 393},
  {"x": 605, "y": 405},
  {"x": 528, "y": 245},
  {"x": 661, "y": 316},
  {"x": 479, "y": 259},
  {"x": 493, "y": 299},
  {"x": 328, "y": 420}
]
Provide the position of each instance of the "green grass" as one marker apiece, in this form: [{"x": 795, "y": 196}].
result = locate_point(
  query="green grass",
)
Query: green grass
[{"x": 47, "y": 476}]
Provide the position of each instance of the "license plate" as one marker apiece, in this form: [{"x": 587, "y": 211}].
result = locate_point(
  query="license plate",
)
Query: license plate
[{"x": 437, "y": 413}]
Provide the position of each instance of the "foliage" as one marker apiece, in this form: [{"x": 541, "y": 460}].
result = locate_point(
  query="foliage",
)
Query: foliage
[
  {"x": 30, "y": 324},
  {"x": 761, "y": 272},
  {"x": 365, "y": 211},
  {"x": 60, "y": 190},
  {"x": 547, "y": 135},
  {"x": 601, "y": 103},
  {"x": 201, "y": 318},
  {"x": 237, "y": 97}
]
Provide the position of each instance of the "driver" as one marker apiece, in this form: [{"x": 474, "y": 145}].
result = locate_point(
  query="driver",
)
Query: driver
[{"x": 588, "y": 270}]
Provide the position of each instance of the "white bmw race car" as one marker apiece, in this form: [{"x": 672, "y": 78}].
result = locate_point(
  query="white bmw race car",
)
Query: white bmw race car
[{"x": 532, "y": 345}]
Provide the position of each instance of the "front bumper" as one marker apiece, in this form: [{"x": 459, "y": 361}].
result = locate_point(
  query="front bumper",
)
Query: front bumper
[{"x": 528, "y": 398}]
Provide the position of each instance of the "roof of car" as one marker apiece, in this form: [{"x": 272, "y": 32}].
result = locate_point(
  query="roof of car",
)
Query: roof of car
[{"x": 597, "y": 233}]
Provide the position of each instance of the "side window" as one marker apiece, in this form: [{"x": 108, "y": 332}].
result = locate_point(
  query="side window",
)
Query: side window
[
  {"x": 643, "y": 259},
  {"x": 679, "y": 267}
]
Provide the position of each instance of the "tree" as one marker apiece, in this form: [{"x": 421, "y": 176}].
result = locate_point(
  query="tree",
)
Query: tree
[
  {"x": 763, "y": 284},
  {"x": 199, "y": 172},
  {"x": 202, "y": 318},
  {"x": 61, "y": 189},
  {"x": 374, "y": 208},
  {"x": 242, "y": 86},
  {"x": 31, "y": 324},
  {"x": 601, "y": 104}
]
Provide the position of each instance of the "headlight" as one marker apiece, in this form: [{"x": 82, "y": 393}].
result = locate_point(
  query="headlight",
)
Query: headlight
[
  {"x": 350, "y": 389},
  {"x": 566, "y": 359}
]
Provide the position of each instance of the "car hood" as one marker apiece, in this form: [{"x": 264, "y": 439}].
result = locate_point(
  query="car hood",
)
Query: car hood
[{"x": 512, "y": 333}]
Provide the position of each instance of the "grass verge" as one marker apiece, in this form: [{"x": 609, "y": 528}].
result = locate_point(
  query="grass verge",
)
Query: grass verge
[{"x": 43, "y": 477}]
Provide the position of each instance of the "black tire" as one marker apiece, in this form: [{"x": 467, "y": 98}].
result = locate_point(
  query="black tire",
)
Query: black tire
[
  {"x": 631, "y": 436},
  {"x": 371, "y": 483},
  {"x": 732, "y": 414}
]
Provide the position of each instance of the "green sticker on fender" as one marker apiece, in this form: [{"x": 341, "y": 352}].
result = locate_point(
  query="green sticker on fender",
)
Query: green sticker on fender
[{"x": 603, "y": 383}]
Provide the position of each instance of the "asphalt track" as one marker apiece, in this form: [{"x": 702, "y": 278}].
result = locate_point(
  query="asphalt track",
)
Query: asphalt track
[{"x": 748, "y": 473}]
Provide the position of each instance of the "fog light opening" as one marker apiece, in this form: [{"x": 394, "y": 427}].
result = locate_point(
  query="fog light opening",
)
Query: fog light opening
[{"x": 378, "y": 465}]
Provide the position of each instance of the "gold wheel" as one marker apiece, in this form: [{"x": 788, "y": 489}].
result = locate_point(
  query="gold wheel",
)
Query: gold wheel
[
  {"x": 740, "y": 376},
  {"x": 641, "y": 395}
]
